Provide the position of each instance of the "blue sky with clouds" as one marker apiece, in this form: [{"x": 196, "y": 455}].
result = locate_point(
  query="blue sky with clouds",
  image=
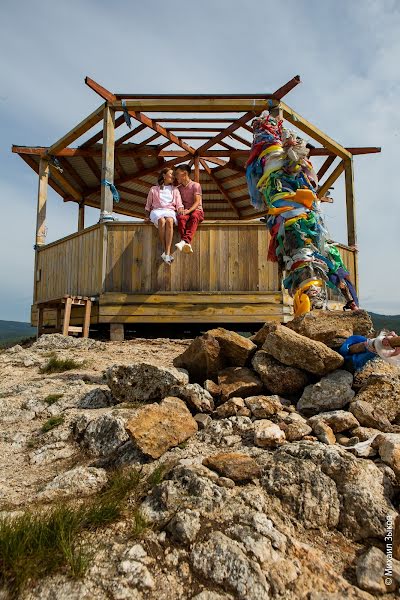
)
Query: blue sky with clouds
[{"x": 347, "y": 54}]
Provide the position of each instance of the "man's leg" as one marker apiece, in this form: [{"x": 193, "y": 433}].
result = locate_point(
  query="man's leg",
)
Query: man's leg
[
  {"x": 191, "y": 227},
  {"x": 182, "y": 221}
]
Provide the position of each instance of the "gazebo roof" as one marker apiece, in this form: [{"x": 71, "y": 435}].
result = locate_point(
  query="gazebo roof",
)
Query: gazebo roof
[{"x": 212, "y": 133}]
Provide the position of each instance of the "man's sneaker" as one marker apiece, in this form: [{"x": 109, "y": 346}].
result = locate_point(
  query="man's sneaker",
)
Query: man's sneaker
[
  {"x": 180, "y": 245},
  {"x": 187, "y": 248}
]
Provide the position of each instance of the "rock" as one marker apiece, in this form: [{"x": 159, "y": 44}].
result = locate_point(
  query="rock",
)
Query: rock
[
  {"x": 157, "y": 427},
  {"x": 143, "y": 382},
  {"x": 222, "y": 561},
  {"x": 338, "y": 420},
  {"x": 137, "y": 574},
  {"x": 344, "y": 440},
  {"x": 332, "y": 327},
  {"x": 238, "y": 381},
  {"x": 236, "y": 349},
  {"x": 185, "y": 526},
  {"x": 202, "y": 358},
  {"x": 97, "y": 398},
  {"x": 278, "y": 378},
  {"x": 295, "y": 350},
  {"x": 80, "y": 481},
  {"x": 382, "y": 392},
  {"x": 324, "y": 432},
  {"x": 50, "y": 453},
  {"x": 259, "y": 337},
  {"x": 230, "y": 408},
  {"x": 365, "y": 433},
  {"x": 57, "y": 341},
  {"x": 296, "y": 431},
  {"x": 268, "y": 434},
  {"x": 195, "y": 397},
  {"x": 263, "y": 406},
  {"x": 369, "y": 415},
  {"x": 207, "y": 595},
  {"x": 326, "y": 486},
  {"x": 102, "y": 435},
  {"x": 226, "y": 482},
  {"x": 331, "y": 393},
  {"x": 213, "y": 388},
  {"x": 389, "y": 451},
  {"x": 202, "y": 420},
  {"x": 376, "y": 367},
  {"x": 234, "y": 465},
  {"x": 370, "y": 572}
]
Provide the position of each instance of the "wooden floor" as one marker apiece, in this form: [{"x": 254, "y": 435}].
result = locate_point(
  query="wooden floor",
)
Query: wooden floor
[{"x": 226, "y": 279}]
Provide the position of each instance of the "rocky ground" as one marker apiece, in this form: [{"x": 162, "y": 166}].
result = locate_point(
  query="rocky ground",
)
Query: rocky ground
[{"x": 281, "y": 468}]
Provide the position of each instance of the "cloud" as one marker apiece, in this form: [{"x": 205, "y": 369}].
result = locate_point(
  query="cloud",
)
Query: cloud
[{"x": 347, "y": 54}]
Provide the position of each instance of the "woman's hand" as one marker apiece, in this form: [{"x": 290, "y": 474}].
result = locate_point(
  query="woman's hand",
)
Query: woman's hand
[{"x": 147, "y": 219}]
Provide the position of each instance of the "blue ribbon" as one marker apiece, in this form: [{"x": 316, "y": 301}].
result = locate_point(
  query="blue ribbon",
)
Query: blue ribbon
[
  {"x": 127, "y": 116},
  {"x": 114, "y": 191}
]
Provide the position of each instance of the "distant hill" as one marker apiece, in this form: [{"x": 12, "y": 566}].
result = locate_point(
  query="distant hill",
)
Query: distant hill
[
  {"x": 386, "y": 322},
  {"x": 12, "y": 332}
]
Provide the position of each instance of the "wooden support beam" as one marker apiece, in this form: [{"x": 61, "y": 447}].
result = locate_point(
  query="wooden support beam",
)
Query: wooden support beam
[
  {"x": 130, "y": 134},
  {"x": 227, "y": 131},
  {"x": 325, "y": 166},
  {"x": 107, "y": 165},
  {"x": 77, "y": 131},
  {"x": 161, "y": 130},
  {"x": 331, "y": 179},
  {"x": 219, "y": 186},
  {"x": 350, "y": 203},
  {"x": 35, "y": 166},
  {"x": 194, "y": 120},
  {"x": 285, "y": 89},
  {"x": 81, "y": 216},
  {"x": 65, "y": 184},
  {"x": 298, "y": 121},
  {"x": 240, "y": 139},
  {"x": 196, "y": 105},
  {"x": 196, "y": 169},
  {"x": 99, "y": 135},
  {"x": 40, "y": 239}
]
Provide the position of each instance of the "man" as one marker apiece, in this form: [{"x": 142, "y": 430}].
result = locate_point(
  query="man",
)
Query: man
[{"x": 192, "y": 213}]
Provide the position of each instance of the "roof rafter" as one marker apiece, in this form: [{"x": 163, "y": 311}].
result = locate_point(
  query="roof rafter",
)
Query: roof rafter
[{"x": 219, "y": 186}]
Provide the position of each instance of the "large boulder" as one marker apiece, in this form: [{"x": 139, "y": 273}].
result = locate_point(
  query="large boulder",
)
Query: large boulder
[
  {"x": 222, "y": 561},
  {"x": 332, "y": 327},
  {"x": 259, "y": 337},
  {"x": 263, "y": 407},
  {"x": 389, "y": 451},
  {"x": 383, "y": 392},
  {"x": 326, "y": 486},
  {"x": 196, "y": 397},
  {"x": 80, "y": 481},
  {"x": 370, "y": 416},
  {"x": 278, "y": 378},
  {"x": 238, "y": 381},
  {"x": 375, "y": 367},
  {"x": 100, "y": 436},
  {"x": 235, "y": 465},
  {"x": 338, "y": 420},
  {"x": 236, "y": 349},
  {"x": 155, "y": 428},
  {"x": 331, "y": 393},
  {"x": 370, "y": 571},
  {"x": 267, "y": 434},
  {"x": 202, "y": 359},
  {"x": 295, "y": 350},
  {"x": 143, "y": 382}
]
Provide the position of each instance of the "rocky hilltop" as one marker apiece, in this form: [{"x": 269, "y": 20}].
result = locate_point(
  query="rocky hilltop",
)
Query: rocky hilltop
[{"x": 209, "y": 469}]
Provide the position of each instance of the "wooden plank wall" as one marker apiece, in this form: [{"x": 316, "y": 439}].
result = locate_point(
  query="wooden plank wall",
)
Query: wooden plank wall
[
  {"x": 227, "y": 257},
  {"x": 70, "y": 266}
]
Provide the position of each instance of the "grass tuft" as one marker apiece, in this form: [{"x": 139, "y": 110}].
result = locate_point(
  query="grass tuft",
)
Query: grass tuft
[
  {"x": 51, "y": 424},
  {"x": 140, "y": 524},
  {"x": 38, "y": 544},
  {"x": 59, "y": 365},
  {"x": 52, "y": 398}
]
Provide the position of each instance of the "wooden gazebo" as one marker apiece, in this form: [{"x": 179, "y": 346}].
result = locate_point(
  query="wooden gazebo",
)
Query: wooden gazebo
[{"x": 228, "y": 278}]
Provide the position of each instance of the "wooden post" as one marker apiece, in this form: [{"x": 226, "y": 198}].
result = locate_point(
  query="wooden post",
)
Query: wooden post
[
  {"x": 42, "y": 202},
  {"x": 117, "y": 332},
  {"x": 67, "y": 315},
  {"x": 350, "y": 204},
  {"x": 86, "y": 322},
  {"x": 107, "y": 164},
  {"x": 81, "y": 216},
  {"x": 196, "y": 169}
]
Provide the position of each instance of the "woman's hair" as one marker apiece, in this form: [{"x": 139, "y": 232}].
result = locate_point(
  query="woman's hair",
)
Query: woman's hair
[{"x": 161, "y": 175}]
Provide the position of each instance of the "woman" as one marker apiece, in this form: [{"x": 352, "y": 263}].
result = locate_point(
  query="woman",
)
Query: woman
[{"x": 163, "y": 203}]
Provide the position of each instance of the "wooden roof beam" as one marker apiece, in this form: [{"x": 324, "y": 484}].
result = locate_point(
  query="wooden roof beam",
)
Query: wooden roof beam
[
  {"x": 130, "y": 134},
  {"x": 331, "y": 179},
  {"x": 285, "y": 89},
  {"x": 219, "y": 186},
  {"x": 325, "y": 166},
  {"x": 77, "y": 131},
  {"x": 99, "y": 135}
]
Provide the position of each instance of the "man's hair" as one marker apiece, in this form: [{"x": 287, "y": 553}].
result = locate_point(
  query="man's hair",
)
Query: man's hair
[{"x": 184, "y": 168}]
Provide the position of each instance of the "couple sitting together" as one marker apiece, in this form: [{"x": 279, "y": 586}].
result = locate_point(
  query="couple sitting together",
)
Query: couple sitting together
[{"x": 168, "y": 205}]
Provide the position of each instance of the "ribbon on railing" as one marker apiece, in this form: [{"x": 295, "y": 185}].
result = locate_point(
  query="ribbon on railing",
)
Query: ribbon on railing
[
  {"x": 114, "y": 191},
  {"x": 127, "y": 116}
]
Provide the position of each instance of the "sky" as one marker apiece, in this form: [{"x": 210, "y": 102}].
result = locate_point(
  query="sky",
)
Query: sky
[{"x": 347, "y": 54}]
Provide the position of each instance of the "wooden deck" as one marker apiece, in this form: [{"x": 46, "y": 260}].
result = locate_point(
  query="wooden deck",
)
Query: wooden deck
[{"x": 226, "y": 279}]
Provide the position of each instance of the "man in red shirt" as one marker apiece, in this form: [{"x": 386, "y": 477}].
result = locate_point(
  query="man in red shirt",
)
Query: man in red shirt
[{"x": 192, "y": 213}]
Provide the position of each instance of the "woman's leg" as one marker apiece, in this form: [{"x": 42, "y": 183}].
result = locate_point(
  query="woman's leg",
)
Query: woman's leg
[
  {"x": 169, "y": 232},
  {"x": 161, "y": 231}
]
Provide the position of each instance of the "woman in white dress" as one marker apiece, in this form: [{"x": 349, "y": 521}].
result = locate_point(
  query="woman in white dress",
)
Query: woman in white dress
[{"x": 163, "y": 203}]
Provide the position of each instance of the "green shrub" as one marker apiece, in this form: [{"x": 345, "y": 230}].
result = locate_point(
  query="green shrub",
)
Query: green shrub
[
  {"x": 51, "y": 424},
  {"x": 51, "y": 398},
  {"x": 59, "y": 365}
]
